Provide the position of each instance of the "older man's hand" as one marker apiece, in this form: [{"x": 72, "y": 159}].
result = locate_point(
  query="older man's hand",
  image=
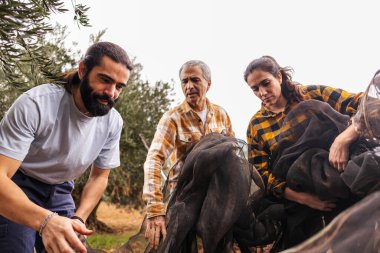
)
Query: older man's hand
[{"x": 155, "y": 226}]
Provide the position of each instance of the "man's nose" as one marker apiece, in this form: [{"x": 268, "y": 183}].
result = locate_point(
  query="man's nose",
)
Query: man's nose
[
  {"x": 110, "y": 91},
  {"x": 189, "y": 85}
]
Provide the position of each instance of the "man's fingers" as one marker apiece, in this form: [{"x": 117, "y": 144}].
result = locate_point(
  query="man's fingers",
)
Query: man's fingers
[
  {"x": 163, "y": 228},
  {"x": 49, "y": 249},
  {"x": 151, "y": 236},
  {"x": 157, "y": 233},
  {"x": 81, "y": 228},
  {"x": 59, "y": 246},
  {"x": 75, "y": 243},
  {"x": 63, "y": 246},
  {"x": 83, "y": 239},
  {"x": 148, "y": 229},
  {"x": 154, "y": 227}
]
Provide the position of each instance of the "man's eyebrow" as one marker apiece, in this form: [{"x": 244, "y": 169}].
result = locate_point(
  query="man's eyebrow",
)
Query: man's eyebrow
[
  {"x": 108, "y": 78},
  {"x": 190, "y": 77},
  {"x": 105, "y": 76}
]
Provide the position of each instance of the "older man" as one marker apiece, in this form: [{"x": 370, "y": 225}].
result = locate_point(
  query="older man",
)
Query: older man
[
  {"x": 178, "y": 128},
  {"x": 49, "y": 137}
]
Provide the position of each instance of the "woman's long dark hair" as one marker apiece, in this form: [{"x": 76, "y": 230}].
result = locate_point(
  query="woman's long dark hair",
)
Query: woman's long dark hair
[{"x": 290, "y": 90}]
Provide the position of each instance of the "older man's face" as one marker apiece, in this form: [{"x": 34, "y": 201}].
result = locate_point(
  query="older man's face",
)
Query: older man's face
[{"x": 194, "y": 86}]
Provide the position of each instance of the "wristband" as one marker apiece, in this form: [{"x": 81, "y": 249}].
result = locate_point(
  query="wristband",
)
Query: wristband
[
  {"x": 74, "y": 217},
  {"x": 45, "y": 222}
]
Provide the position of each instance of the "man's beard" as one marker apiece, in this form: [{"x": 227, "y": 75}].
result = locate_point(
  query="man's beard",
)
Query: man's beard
[{"x": 90, "y": 99}]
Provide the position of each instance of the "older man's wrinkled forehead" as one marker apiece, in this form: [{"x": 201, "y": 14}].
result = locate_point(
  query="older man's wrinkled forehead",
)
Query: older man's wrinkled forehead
[{"x": 206, "y": 72}]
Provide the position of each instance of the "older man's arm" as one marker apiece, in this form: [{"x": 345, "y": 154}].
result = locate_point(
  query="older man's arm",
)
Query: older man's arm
[{"x": 162, "y": 145}]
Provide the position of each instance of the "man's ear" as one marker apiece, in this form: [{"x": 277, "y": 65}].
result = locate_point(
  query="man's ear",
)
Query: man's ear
[
  {"x": 81, "y": 70},
  {"x": 208, "y": 85}
]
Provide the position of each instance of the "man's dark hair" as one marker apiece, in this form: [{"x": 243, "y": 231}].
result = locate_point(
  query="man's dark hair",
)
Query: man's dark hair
[{"x": 94, "y": 56}]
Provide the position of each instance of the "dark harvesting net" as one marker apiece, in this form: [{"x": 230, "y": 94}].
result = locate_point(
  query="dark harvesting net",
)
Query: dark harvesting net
[{"x": 367, "y": 119}]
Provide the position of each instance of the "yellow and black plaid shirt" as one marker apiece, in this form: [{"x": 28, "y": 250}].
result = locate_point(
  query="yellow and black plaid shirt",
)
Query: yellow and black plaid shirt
[
  {"x": 265, "y": 126},
  {"x": 177, "y": 128}
]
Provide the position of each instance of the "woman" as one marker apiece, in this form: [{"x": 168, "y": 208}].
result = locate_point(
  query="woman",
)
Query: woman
[{"x": 273, "y": 85}]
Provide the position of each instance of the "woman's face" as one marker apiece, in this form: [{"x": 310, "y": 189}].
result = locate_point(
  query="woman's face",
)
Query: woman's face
[{"x": 266, "y": 87}]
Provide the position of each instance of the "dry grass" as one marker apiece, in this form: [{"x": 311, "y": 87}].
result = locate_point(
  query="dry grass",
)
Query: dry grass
[
  {"x": 120, "y": 219},
  {"x": 125, "y": 223}
]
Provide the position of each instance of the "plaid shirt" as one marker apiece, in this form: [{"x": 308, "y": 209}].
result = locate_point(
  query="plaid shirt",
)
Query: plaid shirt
[
  {"x": 265, "y": 126},
  {"x": 177, "y": 128}
]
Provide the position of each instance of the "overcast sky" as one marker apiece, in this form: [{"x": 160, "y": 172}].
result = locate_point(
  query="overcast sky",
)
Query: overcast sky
[{"x": 329, "y": 42}]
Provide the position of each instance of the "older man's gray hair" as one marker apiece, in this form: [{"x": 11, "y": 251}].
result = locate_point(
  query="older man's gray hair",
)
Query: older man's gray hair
[{"x": 205, "y": 69}]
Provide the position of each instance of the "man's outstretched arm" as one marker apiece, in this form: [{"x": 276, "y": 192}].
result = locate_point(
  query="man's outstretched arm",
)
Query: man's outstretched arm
[{"x": 58, "y": 233}]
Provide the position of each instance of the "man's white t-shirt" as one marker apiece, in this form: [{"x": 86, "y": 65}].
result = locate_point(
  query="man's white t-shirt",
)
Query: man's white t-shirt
[
  {"x": 55, "y": 141},
  {"x": 203, "y": 115}
]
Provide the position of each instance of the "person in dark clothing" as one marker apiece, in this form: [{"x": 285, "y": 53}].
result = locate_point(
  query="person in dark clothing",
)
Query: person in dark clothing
[
  {"x": 266, "y": 132},
  {"x": 273, "y": 85}
]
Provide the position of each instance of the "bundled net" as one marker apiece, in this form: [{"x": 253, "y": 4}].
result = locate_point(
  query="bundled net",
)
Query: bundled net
[{"x": 367, "y": 119}]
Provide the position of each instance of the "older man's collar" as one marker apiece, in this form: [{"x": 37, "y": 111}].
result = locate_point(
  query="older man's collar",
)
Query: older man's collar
[{"x": 185, "y": 107}]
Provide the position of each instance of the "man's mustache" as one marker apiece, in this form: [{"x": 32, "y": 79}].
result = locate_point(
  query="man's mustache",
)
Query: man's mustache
[{"x": 110, "y": 101}]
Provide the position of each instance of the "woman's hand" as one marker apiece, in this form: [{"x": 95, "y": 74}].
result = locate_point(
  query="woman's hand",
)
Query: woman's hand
[
  {"x": 339, "y": 150},
  {"x": 338, "y": 156},
  {"x": 309, "y": 200}
]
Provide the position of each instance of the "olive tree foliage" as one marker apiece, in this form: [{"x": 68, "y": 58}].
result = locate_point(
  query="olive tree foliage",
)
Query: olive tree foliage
[
  {"x": 32, "y": 52},
  {"x": 23, "y": 23},
  {"x": 141, "y": 107},
  {"x": 50, "y": 46},
  {"x": 27, "y": 57}
]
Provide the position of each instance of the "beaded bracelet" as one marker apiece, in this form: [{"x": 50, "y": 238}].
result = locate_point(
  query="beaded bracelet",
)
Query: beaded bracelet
[
  {"x": 45, "y": 222},
  {"x": 77, "y": 218}
]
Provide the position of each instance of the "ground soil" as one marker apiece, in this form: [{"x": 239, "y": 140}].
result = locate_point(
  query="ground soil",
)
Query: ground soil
[
  {"x": 120, "y": 219},
  {"x": 125, "y": 220}
]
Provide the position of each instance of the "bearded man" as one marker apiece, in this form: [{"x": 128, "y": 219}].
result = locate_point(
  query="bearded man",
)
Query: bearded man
[{"x": 48, "y": 138}]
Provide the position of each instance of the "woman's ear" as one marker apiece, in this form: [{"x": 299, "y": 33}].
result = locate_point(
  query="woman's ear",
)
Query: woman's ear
[{"x": 279, "y": 76}]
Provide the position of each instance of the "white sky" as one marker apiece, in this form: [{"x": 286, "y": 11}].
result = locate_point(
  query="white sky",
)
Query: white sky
[{"x": 329, "y": 42}]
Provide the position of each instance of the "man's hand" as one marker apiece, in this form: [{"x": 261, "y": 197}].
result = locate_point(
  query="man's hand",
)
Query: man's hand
[
  {"x": 61, "y": 235},
  {"x": 82, "y": 238},
  {"x": 155, "y": 226}
]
